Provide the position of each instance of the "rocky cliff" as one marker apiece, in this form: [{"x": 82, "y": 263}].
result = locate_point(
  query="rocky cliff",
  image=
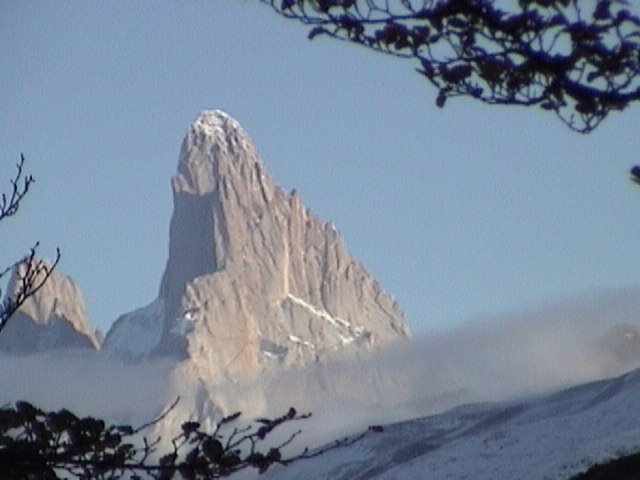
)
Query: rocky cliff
[
  {"x": 53, "y": 318},
  {"x": 253, "y": 278}
]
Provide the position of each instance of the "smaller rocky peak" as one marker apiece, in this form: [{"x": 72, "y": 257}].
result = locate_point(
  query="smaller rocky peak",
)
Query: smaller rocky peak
[{"x": 53, "y": 318}]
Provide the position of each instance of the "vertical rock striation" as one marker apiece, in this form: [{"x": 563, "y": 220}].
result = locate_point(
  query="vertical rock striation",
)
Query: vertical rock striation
[{"x": 253, "y": 278}]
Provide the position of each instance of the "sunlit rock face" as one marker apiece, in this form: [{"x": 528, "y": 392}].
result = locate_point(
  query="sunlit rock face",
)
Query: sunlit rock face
[
  {"x": 253, "y": 278},
  {"x": 53, "y": 318}
]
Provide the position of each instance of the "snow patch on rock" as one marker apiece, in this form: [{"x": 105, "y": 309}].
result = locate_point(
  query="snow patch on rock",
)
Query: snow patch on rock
[{"x": 134, "y": 335}]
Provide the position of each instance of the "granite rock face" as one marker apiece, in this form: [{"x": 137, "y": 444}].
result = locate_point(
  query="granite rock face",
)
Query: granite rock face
[
  {"x": 53, "y": 318},
  {"x": 253, "y": 278}
]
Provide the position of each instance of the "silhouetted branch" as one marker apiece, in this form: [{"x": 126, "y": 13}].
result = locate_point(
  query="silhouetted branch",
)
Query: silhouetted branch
[
  {"x": 578, "y": 59},
  {"x": 30, "y": 273},
  {"x": 19, "y": 188},
  {"x": 51, "y": 445},
  {"x": 158, "y": 419},
  {"x": 635, "y": 174}
]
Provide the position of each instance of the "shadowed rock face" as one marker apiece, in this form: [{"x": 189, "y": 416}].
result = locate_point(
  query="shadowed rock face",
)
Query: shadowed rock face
[
  {"x": 53, "y": 318},
  {"x": 253, "y": 278}
]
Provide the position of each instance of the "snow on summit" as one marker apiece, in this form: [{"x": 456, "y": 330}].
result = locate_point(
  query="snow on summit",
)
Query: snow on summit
[
  {"x": 215, "y": 123},
  {"x": 222, "y": 130}
]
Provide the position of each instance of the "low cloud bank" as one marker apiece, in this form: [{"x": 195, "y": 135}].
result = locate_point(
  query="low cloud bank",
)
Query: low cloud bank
[
  {"x": 87, "y": 384},
  {"x": 490, "y": 359},
  {"x": 497, "y": 358}
]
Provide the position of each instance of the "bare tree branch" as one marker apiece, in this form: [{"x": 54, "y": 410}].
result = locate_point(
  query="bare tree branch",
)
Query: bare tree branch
[
  {"x": 30, "y": 273},
  {"x": 19, "y": 188}
]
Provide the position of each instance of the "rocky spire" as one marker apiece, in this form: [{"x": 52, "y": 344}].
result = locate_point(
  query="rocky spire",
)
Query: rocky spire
[
  {"x": 54, "y": 317},
  {"x": 253, "y": 278}
]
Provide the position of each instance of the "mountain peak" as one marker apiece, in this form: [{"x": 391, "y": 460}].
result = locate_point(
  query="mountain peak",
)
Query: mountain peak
[
  {"x": 219, "y": 128},
  {"x": 215, "y": 122},
  {"x": 254, "y": 279},
  {"x": 215, "y": 145}
]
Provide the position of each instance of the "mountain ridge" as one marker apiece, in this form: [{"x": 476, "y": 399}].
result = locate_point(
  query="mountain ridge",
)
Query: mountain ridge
[{"x": 555, "y": 435}]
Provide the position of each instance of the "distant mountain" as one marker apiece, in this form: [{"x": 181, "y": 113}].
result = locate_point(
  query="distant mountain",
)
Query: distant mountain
[
  {"x": 254, "y": 280},
  {"x": 53, "y": 318},
  {"x": 554, "y": 436}
]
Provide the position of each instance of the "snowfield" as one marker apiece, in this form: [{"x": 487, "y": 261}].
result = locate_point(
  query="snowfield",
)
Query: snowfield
[{"x": 550, "y": 437}]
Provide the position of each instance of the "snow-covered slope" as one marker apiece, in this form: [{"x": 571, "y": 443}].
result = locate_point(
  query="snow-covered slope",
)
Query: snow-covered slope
[
  {"x": 134, "y": 335},
  {"x": 550, "y": 437}
]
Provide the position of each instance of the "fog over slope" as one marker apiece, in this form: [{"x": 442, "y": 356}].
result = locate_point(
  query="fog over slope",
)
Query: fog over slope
[{"x": 491, "y": 359}]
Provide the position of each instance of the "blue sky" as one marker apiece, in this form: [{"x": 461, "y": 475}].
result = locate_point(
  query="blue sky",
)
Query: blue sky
[{"x": 459, "y": 213}]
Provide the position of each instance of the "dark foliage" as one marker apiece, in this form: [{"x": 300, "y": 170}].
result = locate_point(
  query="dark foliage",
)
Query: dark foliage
[
  {"x": 30, "y": 272},
  {"x": 624, "y": 468},
  {"x": 635, "y": 174},
  {"x": 35, "y": 444},
  {"x": 577, "y": 58}
]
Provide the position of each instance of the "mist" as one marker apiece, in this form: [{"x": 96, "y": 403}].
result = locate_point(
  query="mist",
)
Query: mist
[
  {"x": 500, "y": 358},
  {"x": 493, "y": 358},
  {"x": 87, "y": 384}
]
